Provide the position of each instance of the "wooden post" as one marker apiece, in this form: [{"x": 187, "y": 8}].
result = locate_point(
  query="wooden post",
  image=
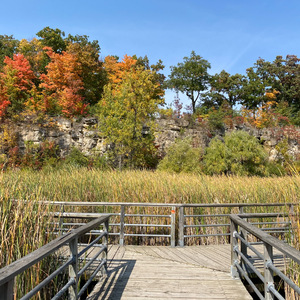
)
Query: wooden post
[
  {"x": 73, "y": 269},
  {"x": 173, "y": 226},
  {"x": 122, "y": 220},
  {"x": 269, "y": 279},
  {"x": 244, "y": 236},
  {"x": 181, "y": 227},
  {"x": 105, "y": 243},
  {"x": 7, "y": 290},
  {"x": 234, "y": 243}
]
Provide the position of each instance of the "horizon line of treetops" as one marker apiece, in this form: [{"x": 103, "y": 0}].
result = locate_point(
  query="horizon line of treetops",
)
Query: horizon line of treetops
[{"x": 57, "y": 74}]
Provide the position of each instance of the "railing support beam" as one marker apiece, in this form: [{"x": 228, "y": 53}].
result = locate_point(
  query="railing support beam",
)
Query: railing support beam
[
  {"x": 122, "y": 221},
  {"x": 73, "y": 269},
  {"x": 181, "y": 227},
  {"x": 173, "y": 226},
  {"x": 269, "y": 279},
  {"x": 234, "y": 243},
  {"x": 7, "y": 290}
]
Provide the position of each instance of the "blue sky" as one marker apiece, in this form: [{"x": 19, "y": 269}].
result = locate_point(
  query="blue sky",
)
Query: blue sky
[{"x": 230, "y": 34}]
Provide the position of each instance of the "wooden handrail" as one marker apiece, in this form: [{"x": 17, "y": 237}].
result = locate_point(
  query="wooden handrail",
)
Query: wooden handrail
[
  {"x": 264, "y": 237},
  {"x": 75, "y": 203},
  {"x": 239, "y": 231},
  {"x": 8, "y": 273}
]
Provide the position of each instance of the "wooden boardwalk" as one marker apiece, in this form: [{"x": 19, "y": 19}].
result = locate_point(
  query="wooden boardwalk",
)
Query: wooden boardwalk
[{"x": 151, "y": 272}]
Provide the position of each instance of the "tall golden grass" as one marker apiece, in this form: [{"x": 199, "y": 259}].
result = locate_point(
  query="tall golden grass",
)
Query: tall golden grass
[
  {"x": 73, "y": 184},
  {"x": 23, "y": 226}
]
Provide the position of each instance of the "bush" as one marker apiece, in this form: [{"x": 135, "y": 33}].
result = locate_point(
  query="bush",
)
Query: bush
[
  {"x": 239, "y": 154},
  {"x": 182, "y": 157},
  {"x": 77, "y": 158}
]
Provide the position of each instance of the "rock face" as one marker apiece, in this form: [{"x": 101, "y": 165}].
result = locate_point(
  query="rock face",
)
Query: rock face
[{"x": 84, "y": 135}]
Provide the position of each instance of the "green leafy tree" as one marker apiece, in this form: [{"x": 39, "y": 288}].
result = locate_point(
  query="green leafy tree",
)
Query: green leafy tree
[
  {"x": 226, "y": 87},
  {"x": 127, "y": 112},
  {"x": 254, "y": 88},
  {"x": 53, "y": 38},
  {"x": 8, "y": 47},
  {"x": 239, "y": 154},
  {"x": 182, "y": 157},
  {"x": 190, "y": 77}
]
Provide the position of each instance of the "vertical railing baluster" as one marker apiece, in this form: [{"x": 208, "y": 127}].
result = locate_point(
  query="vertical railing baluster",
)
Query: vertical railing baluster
[
  {"x": 244, "y": 236},
  {"x": 234, "y": 243},
  {"x": 181, "y": 226},
  {"x": 7, "y": 290},
  {"x": 269, "y": 279},
  {"x": 173, "y": 226},
  {"x": 105, "y": 243},
  {"x": 73, "y": 269},
  {"x": 122, "y": 219}
]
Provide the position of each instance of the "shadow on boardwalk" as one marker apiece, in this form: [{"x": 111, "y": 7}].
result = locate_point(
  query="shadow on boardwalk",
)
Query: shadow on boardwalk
[{"x": 167, "y": 273}]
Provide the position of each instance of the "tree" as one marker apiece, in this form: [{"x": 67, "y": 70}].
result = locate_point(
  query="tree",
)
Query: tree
[
  {"x": 4, "y": 102},
  {"x": 190, "y": 77},
  {"x": 34, "y": 52},
  {"x": 8, "y": 46},
  {"x": 127, "y": 111},
  {"x": 91, "y": 68},
  {"x": 239, "y": 154},
  {"x": 17, "y": 82},
  {"x": 53, "y": 38},
  {"x": 226, "y": 87},
  {"x": 62, "y": 85}
]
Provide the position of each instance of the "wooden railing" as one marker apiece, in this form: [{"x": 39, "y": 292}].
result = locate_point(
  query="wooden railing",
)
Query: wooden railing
[
  {"x": 172, "y": 224},
  {"x": 240, "y": 230},
  {"x": 8, "y": 273}
]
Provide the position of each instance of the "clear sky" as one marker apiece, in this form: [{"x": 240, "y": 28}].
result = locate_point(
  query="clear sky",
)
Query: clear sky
[{"x": 230, "y": 34}]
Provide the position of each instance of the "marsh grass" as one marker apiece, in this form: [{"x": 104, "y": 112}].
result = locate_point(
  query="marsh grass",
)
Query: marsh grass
[{"x": 23, "y": 227}]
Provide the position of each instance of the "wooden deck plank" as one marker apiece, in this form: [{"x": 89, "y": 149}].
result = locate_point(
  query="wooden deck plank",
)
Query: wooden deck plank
[{"x": 164, "y": 273}]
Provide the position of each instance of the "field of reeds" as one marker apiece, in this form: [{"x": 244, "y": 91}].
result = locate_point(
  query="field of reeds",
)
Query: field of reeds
[
  {"x": 19, "y": 222},
  {"x": 82, "y": 184}
]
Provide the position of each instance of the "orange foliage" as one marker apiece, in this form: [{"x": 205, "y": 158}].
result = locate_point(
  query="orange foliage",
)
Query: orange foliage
[
  {"x": 117, "y": 70},
  {"x": 63, "y": 83},
  {"x": 264, "y": 115}
]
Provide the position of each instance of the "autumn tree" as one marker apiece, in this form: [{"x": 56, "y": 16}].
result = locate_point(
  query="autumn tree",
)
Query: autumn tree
[
  {"x": 156, "y": 68},
  {"x": 190, "y": 77},
  {"x": 62, "y": 85},
  {"x": 34, "y": 52},
  {"x": 4, "y": 102},
  {"x": 16, "y": 82},
  {"x": 91, "y": 68},
  {"x": 127, "y": 110}
]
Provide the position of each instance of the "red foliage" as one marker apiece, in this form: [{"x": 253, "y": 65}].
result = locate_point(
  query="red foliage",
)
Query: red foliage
[
  {"x": 4, "y": 102},
  {"x": 22, "y": 71}
]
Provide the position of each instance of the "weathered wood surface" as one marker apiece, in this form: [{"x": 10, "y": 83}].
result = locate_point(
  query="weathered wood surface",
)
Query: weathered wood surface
[{"x": 200, "y": 272}]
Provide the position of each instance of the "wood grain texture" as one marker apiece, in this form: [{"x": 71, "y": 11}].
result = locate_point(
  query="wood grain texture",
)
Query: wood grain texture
[{"x": 145, "y": 272}]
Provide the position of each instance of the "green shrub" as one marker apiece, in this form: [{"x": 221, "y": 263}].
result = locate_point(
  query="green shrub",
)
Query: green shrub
[
  {"x": 77, "y": 158},
  {"x": 182, "y": 157},
  {"x": 239, "y": 154}
]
